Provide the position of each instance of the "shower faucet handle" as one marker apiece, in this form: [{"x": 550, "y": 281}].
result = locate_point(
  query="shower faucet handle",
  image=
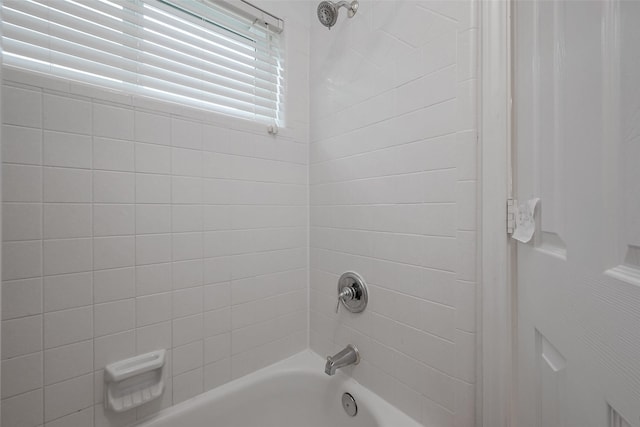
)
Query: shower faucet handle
[
  {"x": 352, "y": 292},
  {"x": 347, "y": 294}
]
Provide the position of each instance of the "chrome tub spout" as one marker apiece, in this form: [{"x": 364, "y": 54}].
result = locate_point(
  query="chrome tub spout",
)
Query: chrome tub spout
[{"x": 347, "y": 356}]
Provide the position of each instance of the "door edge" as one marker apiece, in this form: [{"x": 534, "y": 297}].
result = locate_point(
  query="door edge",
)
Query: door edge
[{"x": 496, "y": 315}]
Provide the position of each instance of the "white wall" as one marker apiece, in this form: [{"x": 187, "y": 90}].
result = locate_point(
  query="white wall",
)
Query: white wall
[
  {"x": 393, "y": 197},
  {"x": 131, "y": 225}
]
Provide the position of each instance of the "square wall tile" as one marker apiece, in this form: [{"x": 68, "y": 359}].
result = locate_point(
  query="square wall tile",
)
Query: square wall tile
[
  {"x": 187, "y": 385},
  {"x": 113, "y": 155},
  {"x": 153, "y": 279},
  {"x": 153, "y": 309},
  {"x": 104, "y": 118},
  {"x": 21, "y": 183},
  {"x": 21, "y": 260},
  {"x": 113, "y": 252},
  {"x": 67, "y": 220},
  {"x": 67, "y": 185},
  {"x": 186, "y": 134},
  {"x": 217, "y": 348},
  {"x": 21, "y": 336},
  {"x": 113, "y": 220},
  {"x": 113, "y": 187},
  {"x": 187, "y": 330},
  {"x": 21, "y": 107},
  {"x": 153, "y": 188},
  {"x": 21, "y": 374},
  {"x": 67, "y": 150},
  {"x": 217, "y": 322},
  {"x": 153, "y": 249},
  {"x": 217, "y": 374},
  {"x": 69, "y": 361},
  {"x": 187, "y": 274},
  {"x": 21, "y": 145},
  {"x": 154, "y": 337},
  {"x": 21, "y": 298},
  {"x": 113, "y": 284},
  {"x": 187, "y": 357},
  {"x": 112, "y": 317},
  {"x": 217, "y": 296},
  {"x": 152, "y": 158},
  {"x": 66, "y": 114},
  {"x": 187, "y": 302},
  {"x": 186, "y": 246},
  {"x": 186, "y": 162},
  {"x": 152, "y": 128},
  {"x": 186, "y": 218},
  {"x": 67, "y": 291},
  {"x": 68, "y": 396},
  {"x": 21, "y": 221},
  {"x": 153, "y": 219},
  {"x": 186, "y": 190},
  {"x": 24, "y": 410},
  {"x": 68, "y": 326},
  {"x": 67, "y": 256}
]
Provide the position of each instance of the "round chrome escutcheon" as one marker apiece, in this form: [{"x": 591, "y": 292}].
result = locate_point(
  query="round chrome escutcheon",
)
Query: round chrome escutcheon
[
  {"x": 353, "y": 280},
  {"x": 349, "y": 404}
]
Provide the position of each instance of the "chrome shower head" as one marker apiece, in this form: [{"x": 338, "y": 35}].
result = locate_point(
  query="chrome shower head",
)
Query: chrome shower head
[{"x": 328, "y": 11}]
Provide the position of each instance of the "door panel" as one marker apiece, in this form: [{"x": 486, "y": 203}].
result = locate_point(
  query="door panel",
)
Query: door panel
[
  {"x": 577, "y": 147},
  {"x": 629, "y": 135},
  {"x": 548, "y": 123}
]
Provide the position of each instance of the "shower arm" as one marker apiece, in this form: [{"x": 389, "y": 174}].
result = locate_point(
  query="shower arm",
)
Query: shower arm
[{"x": 351, "y": 7}]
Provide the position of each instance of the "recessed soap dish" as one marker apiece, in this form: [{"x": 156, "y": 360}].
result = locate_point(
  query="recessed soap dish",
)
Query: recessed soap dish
[{"x": 133, "y": 382}]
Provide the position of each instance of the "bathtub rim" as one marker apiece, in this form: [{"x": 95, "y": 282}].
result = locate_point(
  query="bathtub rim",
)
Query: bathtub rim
[{"x": 306, "y": 361}]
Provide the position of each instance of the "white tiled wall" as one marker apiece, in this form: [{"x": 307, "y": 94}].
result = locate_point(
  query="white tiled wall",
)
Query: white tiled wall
[
  {"x": 131, "y": 225},
  {"x": 393, "y": 197}
]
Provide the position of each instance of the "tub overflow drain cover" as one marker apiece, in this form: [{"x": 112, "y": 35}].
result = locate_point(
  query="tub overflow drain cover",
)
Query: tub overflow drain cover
[{"x": 349, "y": 404}]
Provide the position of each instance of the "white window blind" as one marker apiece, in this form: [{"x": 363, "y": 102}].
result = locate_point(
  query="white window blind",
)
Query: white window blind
[{"x": 195, "y": 52}]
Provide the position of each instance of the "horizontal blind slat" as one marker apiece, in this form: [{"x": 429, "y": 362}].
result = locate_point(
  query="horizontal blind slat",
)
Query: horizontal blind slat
[
  {"x": 96, "y": 12},
  {"x": 237, "y": 60},
  {"x": 234, "y": 78},
  {"x": 243, "y": 68},
  {"x": 112, "y": 51},
  {"x": 33, "y": 37},
  {"x": 80, "y": 66},
  {"x": 205, "y": 56},
  {"x": 25, "y": 10},
  {"x": 72, "y": 36},
  {"x": 185, "y": 77},
  {"x": 186, "y": 91},
  {"x": 214, "y": 83},
  {"x": 234, "y": 34},
  {"x": 113, "y": 10}
]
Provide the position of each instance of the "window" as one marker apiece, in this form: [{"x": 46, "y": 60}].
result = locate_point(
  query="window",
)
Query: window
[{"x": 202, "y": 53}]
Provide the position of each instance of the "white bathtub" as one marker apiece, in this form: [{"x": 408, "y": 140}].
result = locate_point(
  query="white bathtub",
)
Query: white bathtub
[{"x": 292, "y": 393}]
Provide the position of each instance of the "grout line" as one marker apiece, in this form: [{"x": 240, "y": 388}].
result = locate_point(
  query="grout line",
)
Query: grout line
[
  {"x": 42, "y": 257},
  {"x": 381, "y": 121},
  {"x": 429, "y": 140},
  {"x": 370, "y": 178}
]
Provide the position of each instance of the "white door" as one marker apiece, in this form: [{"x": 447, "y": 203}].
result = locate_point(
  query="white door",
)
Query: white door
[{"x": 577, "y": 147}]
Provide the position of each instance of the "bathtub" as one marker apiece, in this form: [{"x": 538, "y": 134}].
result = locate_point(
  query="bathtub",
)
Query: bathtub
[{"x": 292, "y": 393}]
